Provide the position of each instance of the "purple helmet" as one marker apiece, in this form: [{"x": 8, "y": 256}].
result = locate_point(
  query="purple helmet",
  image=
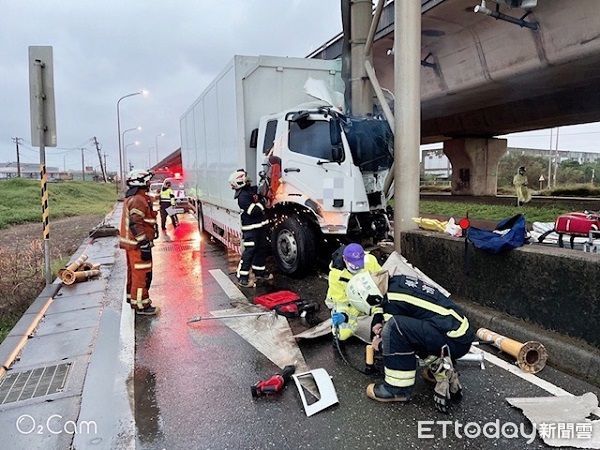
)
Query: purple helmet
[{"x": 354, "y": 257}]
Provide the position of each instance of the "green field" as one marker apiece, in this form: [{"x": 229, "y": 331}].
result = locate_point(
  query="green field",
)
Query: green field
[
  {"x": 20, "y": 200},
  {"x": 490, "y": 212}
]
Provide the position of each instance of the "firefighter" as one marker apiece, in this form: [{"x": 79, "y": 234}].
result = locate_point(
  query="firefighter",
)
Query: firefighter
[
  {"x": 167, "y": 199},
  {"x": 254, "y": 222},
  {"x": 422, "y": 322},
  {"x": 347, "y": 261},
  {"x": 138, "y": 231}
]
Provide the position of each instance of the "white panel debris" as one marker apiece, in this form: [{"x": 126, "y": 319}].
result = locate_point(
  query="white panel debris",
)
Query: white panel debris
[{"x": 566, "y": 421}]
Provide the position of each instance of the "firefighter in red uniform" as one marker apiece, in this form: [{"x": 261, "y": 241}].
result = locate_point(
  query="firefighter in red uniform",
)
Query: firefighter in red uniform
[{"x": 138, "y": 231}]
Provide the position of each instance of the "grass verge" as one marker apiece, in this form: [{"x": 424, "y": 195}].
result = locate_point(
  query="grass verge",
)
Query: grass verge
[
  {"x": 490, "y": 212},
  {"x": 20, "y": 200}
]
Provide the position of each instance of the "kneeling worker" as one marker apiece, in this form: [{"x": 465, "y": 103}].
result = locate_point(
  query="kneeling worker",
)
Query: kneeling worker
[
  {"x": 424, "y": 322},
  {"x": 346, "y": 262}
]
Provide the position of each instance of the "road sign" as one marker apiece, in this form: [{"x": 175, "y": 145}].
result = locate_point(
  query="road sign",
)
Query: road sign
[
  {"x": 542, "y": 178},
  {"x": 41, "y": 85}
]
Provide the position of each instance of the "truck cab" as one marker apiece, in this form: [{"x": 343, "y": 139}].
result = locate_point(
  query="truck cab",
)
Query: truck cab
[{"x": 329, "y": 180}]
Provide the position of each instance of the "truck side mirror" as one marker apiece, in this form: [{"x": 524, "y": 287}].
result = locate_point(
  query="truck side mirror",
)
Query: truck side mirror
[
  {"x": 335, "y": 132},
  {"x": 337, "y": 154},
  {"x": 254, "y": 138}
]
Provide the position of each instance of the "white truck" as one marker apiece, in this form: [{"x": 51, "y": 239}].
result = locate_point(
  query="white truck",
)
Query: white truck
[{"x": 322, "y": 172}]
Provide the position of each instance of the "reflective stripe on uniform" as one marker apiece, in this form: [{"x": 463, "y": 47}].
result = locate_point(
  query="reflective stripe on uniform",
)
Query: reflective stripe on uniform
[
  {"x": 437, "y": 309},
  {"x": 152, "y": 221},
  {"x": 241, "y": 272},
  {"x": 255, "y": 205},
  {"x": 400, "y": 378},
  {"x": 136, "y": 211},
  {"x": 248, "y": 244},
  {"x": 254, "y": 226},
  {"x": 145, "y": 265},
  {"x": 258, "y": 268},
  {"x": 140, "y": 237},
  {"x": 127, "y": 241}
]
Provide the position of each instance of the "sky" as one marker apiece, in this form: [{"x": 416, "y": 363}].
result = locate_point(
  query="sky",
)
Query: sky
[{"x": 106, "y": 49}]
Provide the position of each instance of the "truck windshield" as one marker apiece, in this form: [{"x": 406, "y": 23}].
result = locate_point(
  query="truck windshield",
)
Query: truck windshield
[
  {"x": 311, "y": 138},
  {"x": 371, "y": 143}
]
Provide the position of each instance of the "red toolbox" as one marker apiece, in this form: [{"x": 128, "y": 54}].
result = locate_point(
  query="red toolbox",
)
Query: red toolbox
[
  {"x": 578, "y": 224},
  {"x": 273, "y": 299}
]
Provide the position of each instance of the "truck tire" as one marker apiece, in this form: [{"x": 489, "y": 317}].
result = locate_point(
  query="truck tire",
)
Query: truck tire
[{"x": 294, "y": 248}]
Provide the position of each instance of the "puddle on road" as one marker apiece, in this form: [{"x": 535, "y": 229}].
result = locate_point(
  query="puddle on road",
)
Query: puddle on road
[{"x": 148, "y": 418}]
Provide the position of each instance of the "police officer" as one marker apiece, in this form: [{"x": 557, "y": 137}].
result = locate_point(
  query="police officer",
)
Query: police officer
[
  {"x": 138, "y": 230},
  {"x": 167, "y": 199},
  {"x": 423, "y": 322},
  {"x": 347, "y": 261},
  {"x": 254, "y": 221}
]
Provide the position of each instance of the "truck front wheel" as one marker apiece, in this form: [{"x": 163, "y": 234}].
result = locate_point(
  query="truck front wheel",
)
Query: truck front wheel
[{"x": 294, "y": 246}]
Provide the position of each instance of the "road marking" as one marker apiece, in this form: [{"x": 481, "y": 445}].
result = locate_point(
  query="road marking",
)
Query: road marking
[
  {"x": 543, "y": 384},
  {"x": 227, "y": 285}
]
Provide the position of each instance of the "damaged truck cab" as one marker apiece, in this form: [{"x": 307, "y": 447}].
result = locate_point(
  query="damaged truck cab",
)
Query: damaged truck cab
[{"x": 323, "y": 174}]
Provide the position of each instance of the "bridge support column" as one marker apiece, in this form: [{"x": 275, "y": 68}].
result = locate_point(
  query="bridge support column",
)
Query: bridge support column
[{"x": 474, "y": 164}]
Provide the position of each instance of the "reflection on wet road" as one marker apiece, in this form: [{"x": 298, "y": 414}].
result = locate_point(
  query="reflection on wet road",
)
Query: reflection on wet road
[{"x": 192, "y": 382}]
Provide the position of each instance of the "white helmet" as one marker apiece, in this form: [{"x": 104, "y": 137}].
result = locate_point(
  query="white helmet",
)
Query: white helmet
[
  {"x": 138, "y": 178},
  {"x": 238, "y": 179},
  {"x": 363, "y": 285}
]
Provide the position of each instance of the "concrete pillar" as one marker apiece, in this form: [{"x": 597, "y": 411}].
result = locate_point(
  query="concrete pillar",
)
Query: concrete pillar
[
  {"x": 474, "y": 164},
  {"x": 360, "y": 20}
]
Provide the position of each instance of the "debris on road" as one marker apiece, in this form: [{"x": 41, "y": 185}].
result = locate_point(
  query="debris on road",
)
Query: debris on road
[
  {"x": 563, "y": 421},
  {"x": 531, "y": 356},
  {"x": 326, "y": 391}
]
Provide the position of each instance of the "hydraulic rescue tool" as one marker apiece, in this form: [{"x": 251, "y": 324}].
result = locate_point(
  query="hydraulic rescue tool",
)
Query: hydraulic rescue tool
[{"x": 274, "y": 384}]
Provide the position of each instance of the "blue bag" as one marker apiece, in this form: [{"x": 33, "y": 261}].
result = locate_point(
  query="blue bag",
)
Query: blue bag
[{"x": 493, "y": 242}]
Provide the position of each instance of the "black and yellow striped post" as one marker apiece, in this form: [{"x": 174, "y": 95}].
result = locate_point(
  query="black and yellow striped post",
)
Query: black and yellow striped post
[{"x": 45, "y": 222}]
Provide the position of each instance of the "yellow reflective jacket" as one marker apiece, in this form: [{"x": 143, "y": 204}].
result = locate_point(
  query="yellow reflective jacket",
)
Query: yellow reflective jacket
[{"x": 167, "y": 196}]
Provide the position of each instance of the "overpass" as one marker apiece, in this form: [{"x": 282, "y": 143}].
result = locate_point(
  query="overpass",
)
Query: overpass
[{"x": 482, "y": 77}]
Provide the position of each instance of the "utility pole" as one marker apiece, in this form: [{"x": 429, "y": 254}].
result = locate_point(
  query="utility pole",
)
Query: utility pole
[
  {"x": 407, "y": 115},
  {"x": 16, "y": 141},
  {"x": 103, "y": 168},
  {"x": 82, "y": 165},
  {"x": 557, "y": 159}
]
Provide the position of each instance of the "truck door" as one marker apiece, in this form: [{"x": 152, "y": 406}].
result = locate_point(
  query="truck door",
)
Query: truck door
[{"x": 307, "y": 168}]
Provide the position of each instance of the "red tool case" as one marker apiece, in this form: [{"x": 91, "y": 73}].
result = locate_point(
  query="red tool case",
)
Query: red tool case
[
  {"x": 273, "y": 299},
  {"x": 576, "y": 224}
]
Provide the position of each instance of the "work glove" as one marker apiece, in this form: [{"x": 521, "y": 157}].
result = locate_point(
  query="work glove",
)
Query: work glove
[
  {"x": 338, "y": 318},
  {"x": 145, "y": 247}
]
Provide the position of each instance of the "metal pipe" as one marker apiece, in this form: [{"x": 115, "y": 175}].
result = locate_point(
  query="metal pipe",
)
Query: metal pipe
[
  {"x": 69, "y": 277},
  {"x": 531, "y": 356},
  {"x": 482, "y": 9},
  {"x": 373, "y": 29},
  {"x": 407, "y": 112},
  {"x": 232, "y": 316},
  {"x": 24, "y": 338}
]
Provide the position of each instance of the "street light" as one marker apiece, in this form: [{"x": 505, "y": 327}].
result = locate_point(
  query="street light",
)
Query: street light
[
  {"x": 144, "y": 93},
  {"x": 138, "y": 128},
  {"x": 156, "y": 142},
  {"x": 125, "y": 150}
]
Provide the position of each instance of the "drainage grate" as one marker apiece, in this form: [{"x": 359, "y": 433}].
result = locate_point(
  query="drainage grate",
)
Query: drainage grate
[
  {"x": 18, "y": 386},
  {"x": 177, "y": 247}
]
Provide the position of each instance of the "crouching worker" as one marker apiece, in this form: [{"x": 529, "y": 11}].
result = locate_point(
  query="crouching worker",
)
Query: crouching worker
[
  {"x": 422, "y": 322},
  {"x": 346, "y": 262}
]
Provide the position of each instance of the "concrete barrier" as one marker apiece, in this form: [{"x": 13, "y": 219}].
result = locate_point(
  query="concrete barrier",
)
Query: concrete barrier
[{"x": 558, "y": 289}]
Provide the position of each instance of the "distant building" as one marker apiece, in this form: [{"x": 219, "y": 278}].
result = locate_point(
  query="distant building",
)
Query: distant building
[
  {"x": 435, "y": 163},
  {"x": 31, "y": 171}
]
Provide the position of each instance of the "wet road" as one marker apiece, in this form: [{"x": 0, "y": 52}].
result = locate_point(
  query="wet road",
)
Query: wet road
[{"x": 192, "y": 382}]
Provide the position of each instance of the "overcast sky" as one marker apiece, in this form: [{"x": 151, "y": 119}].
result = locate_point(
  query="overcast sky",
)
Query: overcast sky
[{"x": 106, "y": 49}]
